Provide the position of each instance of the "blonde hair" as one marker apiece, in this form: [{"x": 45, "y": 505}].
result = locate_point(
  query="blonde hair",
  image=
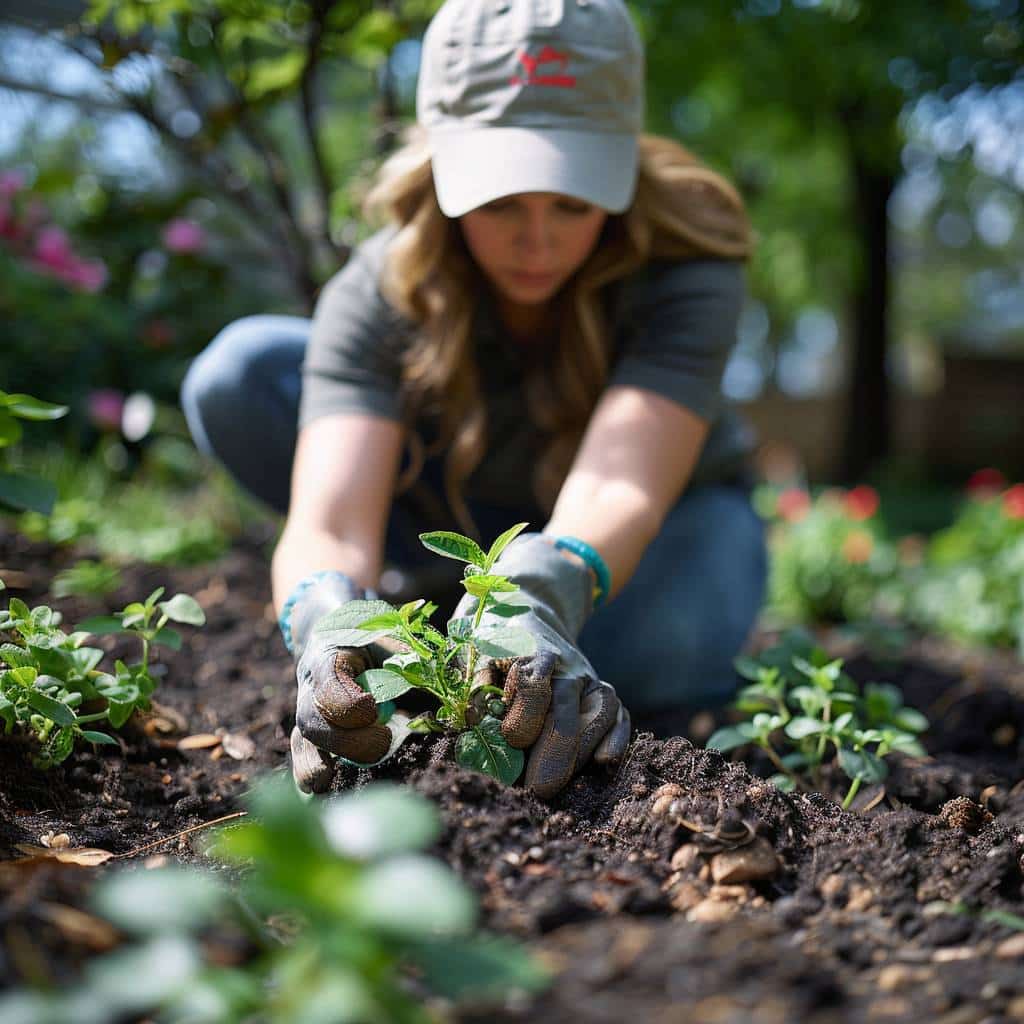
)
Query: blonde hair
[{"x": 682, "y": 210}]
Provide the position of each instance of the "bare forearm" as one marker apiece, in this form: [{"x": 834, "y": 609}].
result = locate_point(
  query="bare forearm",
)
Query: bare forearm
[
  {"x": 301, "y": 552},
  {"x": 611, "y": 517}
]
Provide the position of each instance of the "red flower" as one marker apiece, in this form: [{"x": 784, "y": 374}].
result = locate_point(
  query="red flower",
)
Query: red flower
[
  {"x": 1013, "y": 502},
  {"x": 985, "y": 483},
  {"x": 857, "y": 547},
  {"x": 861, "y": 503},
  {"x": 793, "y": 504},
  {"x": 105, "y": 407}
]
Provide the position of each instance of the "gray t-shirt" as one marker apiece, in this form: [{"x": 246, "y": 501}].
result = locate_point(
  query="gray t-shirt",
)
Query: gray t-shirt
[{"x": 674, "y": 325}]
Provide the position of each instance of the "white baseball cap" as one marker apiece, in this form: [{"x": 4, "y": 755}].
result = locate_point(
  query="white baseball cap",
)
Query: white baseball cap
[{"x": 532, "y": 96}]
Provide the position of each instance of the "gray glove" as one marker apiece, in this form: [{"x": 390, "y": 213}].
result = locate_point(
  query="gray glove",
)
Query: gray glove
[
  {"x": 556, "y": 703},
  {"x": 333, "y": 714}
]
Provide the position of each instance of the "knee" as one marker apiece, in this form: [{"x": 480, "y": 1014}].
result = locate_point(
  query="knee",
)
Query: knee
[{"x": 219, "y": 375}]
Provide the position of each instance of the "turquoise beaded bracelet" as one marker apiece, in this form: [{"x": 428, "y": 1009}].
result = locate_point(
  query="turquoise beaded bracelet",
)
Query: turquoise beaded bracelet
[{"x": 594, "y": 560}]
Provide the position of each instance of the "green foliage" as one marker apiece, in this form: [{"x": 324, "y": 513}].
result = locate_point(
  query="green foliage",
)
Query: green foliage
[
  {"x": 799, "y": 703},
  {"x": 971, "y": 584},
  {"x": 86, "y": 578},
  {"x": 20, "y": 492},
  {"x": 443, "y": 664},
  {"x": 337, "y": 906},
  {"x": 829, "y": 555},
  {"x": 50, "y": 685}
]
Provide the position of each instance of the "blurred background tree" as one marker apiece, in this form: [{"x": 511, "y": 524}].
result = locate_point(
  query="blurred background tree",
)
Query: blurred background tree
[{"x": 210, "y": 157}]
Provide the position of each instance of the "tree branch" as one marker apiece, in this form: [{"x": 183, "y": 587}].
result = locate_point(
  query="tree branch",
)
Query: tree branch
[{"x": 307, "y": 104}]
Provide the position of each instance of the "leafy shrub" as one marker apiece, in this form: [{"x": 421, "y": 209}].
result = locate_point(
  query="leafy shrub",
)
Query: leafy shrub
[
  {"x": 829, "y": 554},
  {"x": 20, "y": 492},
  {"x": 799, "y": 703},
  {"x": 50, "y": 685},
  {"x": 338, "y": 918},
  {"x": 442, "y": 665}
]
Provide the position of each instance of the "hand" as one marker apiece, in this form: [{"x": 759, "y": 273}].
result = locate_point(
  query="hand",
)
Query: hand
[
  {"x": 556, "y": 703},
  {"x": 334, "y": 715}
]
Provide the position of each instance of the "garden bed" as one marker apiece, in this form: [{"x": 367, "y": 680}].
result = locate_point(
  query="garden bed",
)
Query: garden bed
[{"x": 679, "y": 887}]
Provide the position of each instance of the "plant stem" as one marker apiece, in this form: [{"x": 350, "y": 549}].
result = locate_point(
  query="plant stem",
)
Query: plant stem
[
  {"x": 96, "y": 716},
  {"x": 851, "y": 793},
  {"x": 470, "y": 661},
  {"x": 777, "y": 761}
]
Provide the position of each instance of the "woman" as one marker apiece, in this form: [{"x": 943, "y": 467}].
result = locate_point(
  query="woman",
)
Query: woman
[{"x": 541, "y": 328}]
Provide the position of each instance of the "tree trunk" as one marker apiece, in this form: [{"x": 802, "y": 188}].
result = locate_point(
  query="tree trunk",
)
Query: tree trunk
[{"x": 867, "y": 432}]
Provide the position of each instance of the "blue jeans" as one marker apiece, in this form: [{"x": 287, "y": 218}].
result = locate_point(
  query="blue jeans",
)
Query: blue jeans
[{"x": 668, "y": 638}]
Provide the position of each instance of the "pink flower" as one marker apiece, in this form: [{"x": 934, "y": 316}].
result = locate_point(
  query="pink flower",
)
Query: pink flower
[
  {"x": 53, "y": 249},
  {"x": 862, "y": 502},
  {"x": 793, "y": 504},
  {"x": 11, "y": 182},
  {"x": 183, "y": 236},
  {"x": 985, "y": 483},
  {"x": 105, "y": 407},
  {"x": 1013, "y": 502}
]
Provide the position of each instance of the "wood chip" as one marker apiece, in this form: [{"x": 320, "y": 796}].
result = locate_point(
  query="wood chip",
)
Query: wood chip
[
  {"x": 199, "y": 741},
  {"x": 55, "y": 840},
  {"x": 1011, "y": 948},
  {"x": 79, "y": 927},
  {"x": 84, "y": 856},
  {"x": 238, "y": 745}
]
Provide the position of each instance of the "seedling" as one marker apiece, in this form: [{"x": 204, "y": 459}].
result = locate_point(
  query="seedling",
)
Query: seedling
[
  {"x": 86, "y": 578},
  {"x": 18, "y": 492},
  {"x": 444, "y": 664},
  {"x": 801, "y": 704},
  {"x": 50, "y": 685},
  {"x": 338, "y": 916}
]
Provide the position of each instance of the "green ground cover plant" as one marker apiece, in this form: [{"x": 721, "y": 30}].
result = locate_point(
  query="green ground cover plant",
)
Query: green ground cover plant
[
  {"x": 800, "y": 707},
  {"x": 443, "y": 664},
  {"x": 51, "y": 686},
  {"x": 338, "y": 916}
]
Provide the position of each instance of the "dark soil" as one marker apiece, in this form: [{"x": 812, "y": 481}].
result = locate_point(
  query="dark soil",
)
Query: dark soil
[{"x": 680, "y": 887}]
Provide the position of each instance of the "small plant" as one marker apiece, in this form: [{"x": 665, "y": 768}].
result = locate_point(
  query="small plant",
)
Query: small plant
[
  {"x": 86, "y": 578},
  {"x": 18, "y": 492},
  {"x": 50, "y": 685},
  {"x": 443, "y": 664},
  {"x": 801, "y": 704},
  {"x": 338, "y": 917}
]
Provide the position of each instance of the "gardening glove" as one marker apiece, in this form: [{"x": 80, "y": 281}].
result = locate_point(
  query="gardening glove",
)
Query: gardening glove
[
  {"x": 556, "y": 703},
  {"x": 334, "y": 715}
]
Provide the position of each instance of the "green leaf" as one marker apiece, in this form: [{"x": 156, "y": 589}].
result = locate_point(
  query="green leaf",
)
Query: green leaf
[
  {"x": 27, "y": 493},
  {"x": 170, "y": 899},
  {"x": 910, "y": 719},
  {"x": 7, "y": 713},
  {"x": 151, "y": 601},
  {"x": 414, "y": 895},
  {"x": 906, "y": 743},
  {"x": 19, "y": 610},
  {"x": 168, "y": 638},
  {"x": 10, "y": 429},
  {"x": 100, "y": 625},
  {"x": 730, "y": 737},
  {"x": 508, "y": 607},
  {"x": 56, "y": 748},
  {"x": 383, "y": 684},
  {"x": 55, "y": 710},
  {"x": 783, "y": 783},
  {"x": 24, "y": 675},
  {"x": 481, "y": 586},
  {"x": 800, "y": 728},
  {"x": 862, "y": 764},
  {"x": 453, "y": 545},
  {"x": 380, "y": 820},
  {"x": 343, "y": 623},
  {"x": 28, "y": 408},
  {"x": 501, "y": 542},
  {"x": 15, "y": 656},
  {"x": 99, "y": 737},
  {"x": 747, "y": 667},
  {"x": 483, "y": 748},
  {"x": 500, "y": 641},
  {"x": 484, "y": 967},
  {"x": 183, "y": 608}
]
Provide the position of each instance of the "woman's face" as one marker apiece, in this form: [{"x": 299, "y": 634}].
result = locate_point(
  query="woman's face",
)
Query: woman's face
[{"x": 529, "y": 245}]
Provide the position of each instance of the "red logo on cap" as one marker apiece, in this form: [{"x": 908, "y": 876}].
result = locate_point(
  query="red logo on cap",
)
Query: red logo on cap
[{"x": 546, "y": 56}]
